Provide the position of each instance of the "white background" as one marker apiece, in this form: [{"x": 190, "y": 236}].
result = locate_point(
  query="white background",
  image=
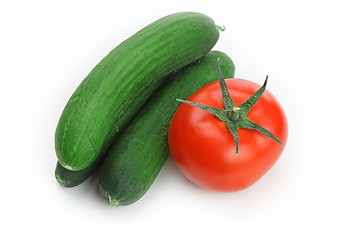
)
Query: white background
[{"x": 309, "y": 49}]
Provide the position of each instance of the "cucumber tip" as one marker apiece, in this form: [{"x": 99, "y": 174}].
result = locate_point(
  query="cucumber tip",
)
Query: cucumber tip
[
  {"x": 60, "y": 181},
  {"x": 113, "y": 202}
]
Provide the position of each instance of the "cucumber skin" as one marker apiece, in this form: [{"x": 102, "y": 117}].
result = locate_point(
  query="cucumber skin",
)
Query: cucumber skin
[
  {"x": 137, "y": 156},
  {"x": 109, "y": 97}
]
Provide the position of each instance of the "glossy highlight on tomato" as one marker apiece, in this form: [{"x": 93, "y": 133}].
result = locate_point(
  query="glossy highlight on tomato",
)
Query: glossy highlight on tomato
[{"x": 203, "y": 148}]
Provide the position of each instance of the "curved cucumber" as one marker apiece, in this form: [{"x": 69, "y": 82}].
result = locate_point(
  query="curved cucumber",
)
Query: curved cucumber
[
  {"x": 113, "y": 92},
  {"x": 138, "y": 154}
]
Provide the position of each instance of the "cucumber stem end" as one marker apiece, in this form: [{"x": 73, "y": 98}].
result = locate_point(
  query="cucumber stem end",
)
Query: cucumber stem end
[
  {"x": 113, "y": 202},
  {"x": 220, "y": 28}
]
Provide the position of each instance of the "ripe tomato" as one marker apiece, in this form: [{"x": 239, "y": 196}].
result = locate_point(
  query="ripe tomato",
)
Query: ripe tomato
[{"x": 203, "y": 148}]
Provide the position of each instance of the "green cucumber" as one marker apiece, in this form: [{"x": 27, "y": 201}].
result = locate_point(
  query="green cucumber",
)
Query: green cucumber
[
  {"x": 138, "y": 154},
  {"x": 113, "y": 92},
  {"x": 68, "y": 178}
]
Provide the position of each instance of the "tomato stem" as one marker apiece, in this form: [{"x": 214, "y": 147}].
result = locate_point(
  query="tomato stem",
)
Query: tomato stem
[{"x": 233, "y": 116}]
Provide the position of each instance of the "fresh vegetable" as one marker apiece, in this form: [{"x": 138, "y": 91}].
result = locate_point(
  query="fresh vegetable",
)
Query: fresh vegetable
[
  {"x": 68, "y": 178},
  {"x": 226, "y": 136},
  {"x": 136, "y": 157},
  {"x": 115, "y": 90}
]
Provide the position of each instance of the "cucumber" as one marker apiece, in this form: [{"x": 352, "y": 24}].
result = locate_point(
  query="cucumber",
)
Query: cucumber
[
  {"x": 138, "y": 154},
  {"x": 111, "y": 94},
  {"x": 68, "y": 178}
]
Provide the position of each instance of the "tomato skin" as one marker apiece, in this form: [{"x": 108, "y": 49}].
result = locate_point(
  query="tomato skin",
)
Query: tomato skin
[{"x": 204, "y": 150}]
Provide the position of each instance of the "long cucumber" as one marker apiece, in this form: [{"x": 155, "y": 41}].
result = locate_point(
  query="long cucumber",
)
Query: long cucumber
[
  {"x": 114, "y": 91},
  {"x": 138, "y": 154}
]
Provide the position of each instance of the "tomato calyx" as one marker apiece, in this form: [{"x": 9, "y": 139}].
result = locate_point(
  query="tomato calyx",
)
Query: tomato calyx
[{"x": 233, "y": 116}]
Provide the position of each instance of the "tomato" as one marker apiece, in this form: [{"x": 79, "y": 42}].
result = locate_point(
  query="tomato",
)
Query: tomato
[{"x": 204, "y": 149}]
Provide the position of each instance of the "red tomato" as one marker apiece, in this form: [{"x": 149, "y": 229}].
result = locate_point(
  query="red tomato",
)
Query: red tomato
[{"x": 204, "y": 149}]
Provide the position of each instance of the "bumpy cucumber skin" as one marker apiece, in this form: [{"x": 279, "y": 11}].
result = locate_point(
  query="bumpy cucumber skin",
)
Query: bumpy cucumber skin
[
  {"x": 136, "y": 157},
  {"x": 109, "y": 97}
]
